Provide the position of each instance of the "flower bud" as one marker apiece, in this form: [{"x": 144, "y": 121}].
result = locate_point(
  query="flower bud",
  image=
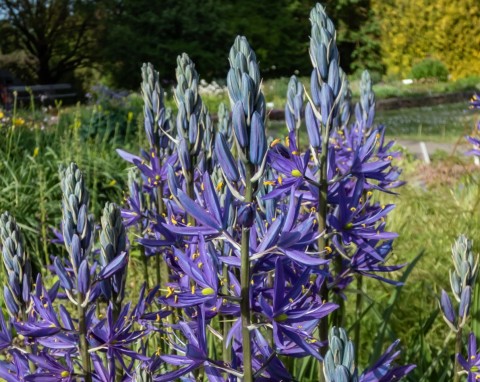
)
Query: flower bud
[
  {"x": 258, "y": 140},
  {"x": 240, "y": 124},
  {"x": 225, "y": 158},
  {"x": 313, "y": 127}
]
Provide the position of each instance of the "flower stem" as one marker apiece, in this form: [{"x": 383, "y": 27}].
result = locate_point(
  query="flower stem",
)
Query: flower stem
[
  {"x": 322, "y": 244},
  {"x": 458, "y": 349},
  {"x": 245, "y": 284},
  {"x": 82, "y": 331},
  {"x": 358, "y": 313}
]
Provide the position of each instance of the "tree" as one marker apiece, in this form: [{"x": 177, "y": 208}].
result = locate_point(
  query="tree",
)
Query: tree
[
  {"x": 139, "y": 31},
  {"x": 58, "y": 34},
  {"x": 446, "y": 30}
]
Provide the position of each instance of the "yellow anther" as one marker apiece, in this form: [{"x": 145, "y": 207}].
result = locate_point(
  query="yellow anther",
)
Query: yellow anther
[
  {"x": 170, "y": 291},
  {"x": 269, "y": 183},
  {"x": 159, "y": 351},
  {"x": 296, "y": 173},
  {"x": 275, "y": 142},
  {"x": 377, "y": 136},
  {"x": 219, "y": 186},
  {"x": 389, "y": 157},
  {"x": 328, "y": 249},
  {"x": 200, "y": 265},
  {"x": 174, "y": 222},
  {"x": 369, "y": 193},
  {"x": 207, "y": 291},
  {"x": 313, "y": 209},
  {"x": 153, "y": 154},
  {"x": 202, "y": 186},
  {"x": 280, "y": 180},
  {"x": 193, "y": 289},
  {"x": 353, "y": 209},
  {"x": 287, "y": 141},
  {"x": 157, "y": 177},
  {"x": 295, "y": 152},
  {"x": 157, "y": 318},
  {"x": 64, "y": 374}
]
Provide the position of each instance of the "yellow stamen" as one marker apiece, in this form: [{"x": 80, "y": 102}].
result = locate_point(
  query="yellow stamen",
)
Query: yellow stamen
[
  {"x": 328, "y": 249},
  {"x": 207, "y": 291},
  {"x": 275, "y": 142},
  {"x": 170, "y": 291},
  {"x": 296, "y": 173}
]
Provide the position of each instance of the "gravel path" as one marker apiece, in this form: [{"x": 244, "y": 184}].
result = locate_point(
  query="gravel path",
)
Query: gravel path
[{"x": 415, "y": 148}]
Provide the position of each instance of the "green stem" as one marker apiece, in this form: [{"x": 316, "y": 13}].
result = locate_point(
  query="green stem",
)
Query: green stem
[
  {"x": 82, "y": 329},
  {"x": 358, "y": 315},
  {"x": 145, "y": 266},
  {"x": 161, "y": 210},
  {"x": 245, "y": 284},
  {"x": 226, "y": 354},
  {"x": 458, "y": 350},
  {"x": 322, "y": 210}
]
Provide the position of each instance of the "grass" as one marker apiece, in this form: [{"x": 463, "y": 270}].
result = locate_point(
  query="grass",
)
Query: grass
[{"x": 438, "y": 123}]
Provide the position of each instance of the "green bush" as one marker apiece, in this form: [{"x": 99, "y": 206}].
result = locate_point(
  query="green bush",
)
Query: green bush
[{"x": 430, "y": 68}]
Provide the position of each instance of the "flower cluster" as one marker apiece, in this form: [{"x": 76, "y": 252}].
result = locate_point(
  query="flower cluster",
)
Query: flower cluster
[{"x": 254, "y": 242}]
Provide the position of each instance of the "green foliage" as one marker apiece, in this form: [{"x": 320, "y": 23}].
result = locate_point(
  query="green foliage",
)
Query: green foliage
[
  {"x": 430, "y": 68},
  {"x": 30, "y": 155}
]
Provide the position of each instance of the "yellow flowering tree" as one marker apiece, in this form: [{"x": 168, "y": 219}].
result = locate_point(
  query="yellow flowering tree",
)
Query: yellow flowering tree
[{"x": 447, "y": 30}]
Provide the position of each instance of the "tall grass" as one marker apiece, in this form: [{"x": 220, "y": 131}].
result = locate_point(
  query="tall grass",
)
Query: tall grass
[{"x": 34, "y": 147}]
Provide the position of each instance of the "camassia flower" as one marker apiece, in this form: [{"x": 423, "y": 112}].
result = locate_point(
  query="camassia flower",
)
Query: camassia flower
[
  {"x": 192, "y": 354},
  {"x": 199, "y": 285},
  {"x": 291, "y": 166},
  {"x": 355, "y": 222},
  {"x": 294, "y": 312},
  {"x": 471, "y": 364},
  {"x": 50, "y": 368},
  {"x": 113, "y": 337}
]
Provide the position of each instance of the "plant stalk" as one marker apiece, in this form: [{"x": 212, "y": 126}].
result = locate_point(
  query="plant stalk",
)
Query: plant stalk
[
  {"x": 82, "y": 329},
  {"x": 358, "y": 315},
  {"x": 458, "y": 350},
  {"x": 245, "y": 284},
  {"x": 322, "y": 210}
]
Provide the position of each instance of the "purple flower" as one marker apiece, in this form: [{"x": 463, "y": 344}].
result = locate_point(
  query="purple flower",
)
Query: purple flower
[
  {"x": 472, "y": 363},
  {"x": 113, "y": 336},
  {"x": 384, "y": 369},
  {"x": 294, "y": 312},
  {"x": 193, "y": 354},
  {"x": 51, "y": 369}
]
